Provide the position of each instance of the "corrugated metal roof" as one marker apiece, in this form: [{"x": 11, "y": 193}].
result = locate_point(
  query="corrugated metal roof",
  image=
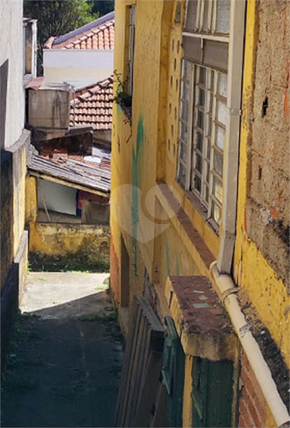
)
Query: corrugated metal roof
[{"x": 74, "y": 169}]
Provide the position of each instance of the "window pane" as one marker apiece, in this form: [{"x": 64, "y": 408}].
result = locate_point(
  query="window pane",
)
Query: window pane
[
  {"x": 199, "y": 141},
  {"x": 218, "y": 163},
  {"x": 206, "y": 194},
  {"x": 202, "y": 75},
  {"x": 210, "y": 102},
  {"x": 185, "y": 91},
  {"x": 205, "y": 15},
  {"x": 216, "y": 213},
  {"x": 217, "y": 189},
  {"x": 223, "y": 84},
  {"x": 191, "y": 15},
  {"x": 183, "y": 151},
  {"x": 198, "y": 163},
  {"x": 208, "y": 149},
  {"x": 182, "y": 174},
  {"x": 207, "y": 172},
  {"x": 200, "y": 97},
  {"x": 183, "y": 131},
  {"x": 209, "y": 122},
  {"x": 221, "y": 112},
  {"x": 184, "y": 111},
  {"x": 223, "y": 16},
  {"x": 200, "y": 119},
  {"x": 220, "y": 137},
  {"x": 197, "y": 183}
]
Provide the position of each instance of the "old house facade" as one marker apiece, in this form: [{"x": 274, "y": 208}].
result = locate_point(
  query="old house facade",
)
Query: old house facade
[{"x": 200, "y": 197}]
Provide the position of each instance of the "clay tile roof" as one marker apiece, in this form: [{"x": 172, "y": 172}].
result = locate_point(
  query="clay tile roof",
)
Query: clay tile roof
[
  {"x": 98, "y": 34},
  {"x": 92, "y": 106}
]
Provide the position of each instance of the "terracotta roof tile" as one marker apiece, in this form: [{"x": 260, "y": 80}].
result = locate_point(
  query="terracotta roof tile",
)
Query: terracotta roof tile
[
  {"x": 100, "y": 36},
  {"x": 92, "y": 106}
]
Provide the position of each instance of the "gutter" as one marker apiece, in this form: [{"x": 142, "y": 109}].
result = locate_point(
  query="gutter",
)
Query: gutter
[{"x": 227, "y": 292}]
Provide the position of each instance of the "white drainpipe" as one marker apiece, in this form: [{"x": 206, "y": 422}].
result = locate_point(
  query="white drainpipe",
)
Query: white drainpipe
[{"x": 227, "y": 291}]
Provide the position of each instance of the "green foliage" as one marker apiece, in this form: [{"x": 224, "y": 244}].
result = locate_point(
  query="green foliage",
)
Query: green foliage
[
  {"x": 70, "y": 263},
  {"x": 56, "y": 18},
  {"x": 102, "y": 6}
]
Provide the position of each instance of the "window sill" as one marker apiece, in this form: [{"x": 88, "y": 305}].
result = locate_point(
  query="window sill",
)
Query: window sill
[
  {"x": 192, "y": 239},
  {"x": 201, "y": 210}
]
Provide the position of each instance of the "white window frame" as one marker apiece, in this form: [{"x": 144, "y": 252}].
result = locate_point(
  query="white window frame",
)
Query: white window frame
[{"x": 235, "y": 41}]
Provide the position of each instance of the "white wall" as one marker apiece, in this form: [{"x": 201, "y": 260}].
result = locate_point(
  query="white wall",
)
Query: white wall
[
  {"x": 12, "y": 111},
  {"x": 77, "y": 67},
  {"x": 61, "y": 199}
]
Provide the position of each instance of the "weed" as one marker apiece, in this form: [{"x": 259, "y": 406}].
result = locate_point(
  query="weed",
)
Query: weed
[{"x": 69, "y": 263}]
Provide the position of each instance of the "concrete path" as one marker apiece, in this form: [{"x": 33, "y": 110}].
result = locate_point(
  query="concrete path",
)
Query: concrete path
[{"x": 65, "y": 359}]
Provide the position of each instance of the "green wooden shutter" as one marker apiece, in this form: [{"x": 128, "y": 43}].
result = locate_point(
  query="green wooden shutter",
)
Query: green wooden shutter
[
  {"x": 212, "y": 393},
  {"x": 173, "y": 373}
]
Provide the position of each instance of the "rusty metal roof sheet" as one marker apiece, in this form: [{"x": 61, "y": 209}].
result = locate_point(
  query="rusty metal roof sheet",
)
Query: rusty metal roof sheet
[{"x": 93, "y": 173}]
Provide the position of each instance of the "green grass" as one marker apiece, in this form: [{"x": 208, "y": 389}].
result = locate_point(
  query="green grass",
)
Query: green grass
[{"x": 69, "y": 263}]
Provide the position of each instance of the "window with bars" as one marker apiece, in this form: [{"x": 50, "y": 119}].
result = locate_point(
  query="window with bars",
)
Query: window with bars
[{"x": 203, "y": 102}]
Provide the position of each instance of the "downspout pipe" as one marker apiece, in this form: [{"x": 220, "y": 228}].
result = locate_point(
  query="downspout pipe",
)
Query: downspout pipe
[{"x": 227, "y": 291}]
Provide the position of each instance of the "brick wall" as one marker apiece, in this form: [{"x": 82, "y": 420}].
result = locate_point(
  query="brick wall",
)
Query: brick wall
[
  {"x": 268, "y": 203},
  {"x": 252, "y": 404}
]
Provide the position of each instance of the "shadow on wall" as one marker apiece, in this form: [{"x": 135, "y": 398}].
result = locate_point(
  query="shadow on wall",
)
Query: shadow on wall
[{"x": 3, "y": 100}]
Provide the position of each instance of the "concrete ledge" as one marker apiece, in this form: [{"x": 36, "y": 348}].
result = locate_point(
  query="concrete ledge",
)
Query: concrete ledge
[{"x": 200, "y": 318}]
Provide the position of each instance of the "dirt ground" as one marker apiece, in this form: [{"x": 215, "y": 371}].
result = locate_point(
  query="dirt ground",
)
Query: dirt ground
[{"x": 65, "y": 359}]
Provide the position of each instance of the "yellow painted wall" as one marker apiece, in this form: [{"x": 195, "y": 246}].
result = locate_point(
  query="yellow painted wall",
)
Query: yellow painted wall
[
  {"x": 251, "y": 271},
  {"x": 31, "y": 202},
  {"x": 56, "y": 239},
  {"x": 146, "y": 151}
]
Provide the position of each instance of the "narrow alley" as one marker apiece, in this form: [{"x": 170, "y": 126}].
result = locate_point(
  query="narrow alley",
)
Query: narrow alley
[{"x": 65, "y": 358}]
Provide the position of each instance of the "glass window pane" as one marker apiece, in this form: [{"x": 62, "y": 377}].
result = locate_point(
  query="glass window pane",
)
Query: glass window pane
[
  {"x": 183, "y": 151},
  {"x": 223, "y": 16},
  {"x": 198, "y": 163},
  {"x": 191, "y": 15},
  {"x": 210, "y": 102},
  {"x": 207, "y": 172},
  {"x": 206, "y": 194},
  {"x": 200, "y": 119},
  {"x": 199, "y": 141},
  {"x": 185, "y": 91},
  {"x": 209, "y": 126},
  {"x": 200, "y": 97},
  {"x": 220, "y": 137},
  {"x": 184, "y": 111},
  {"x": 182, "y": 174},
  {"x": 223, "y": 84},
  {"x": 218, "y": 189},
  {"x": 208, "y": 149},
  {"x": 218, "y": 163},
  {"x": 205, "y": 15},
  {"x": 221, "y": 112},
  {"x": 216, "y": 213},
  {"x": 197, "y": 183},
  {"x": 202, "y": 75},
  {"x": 183, "y": 131}
]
